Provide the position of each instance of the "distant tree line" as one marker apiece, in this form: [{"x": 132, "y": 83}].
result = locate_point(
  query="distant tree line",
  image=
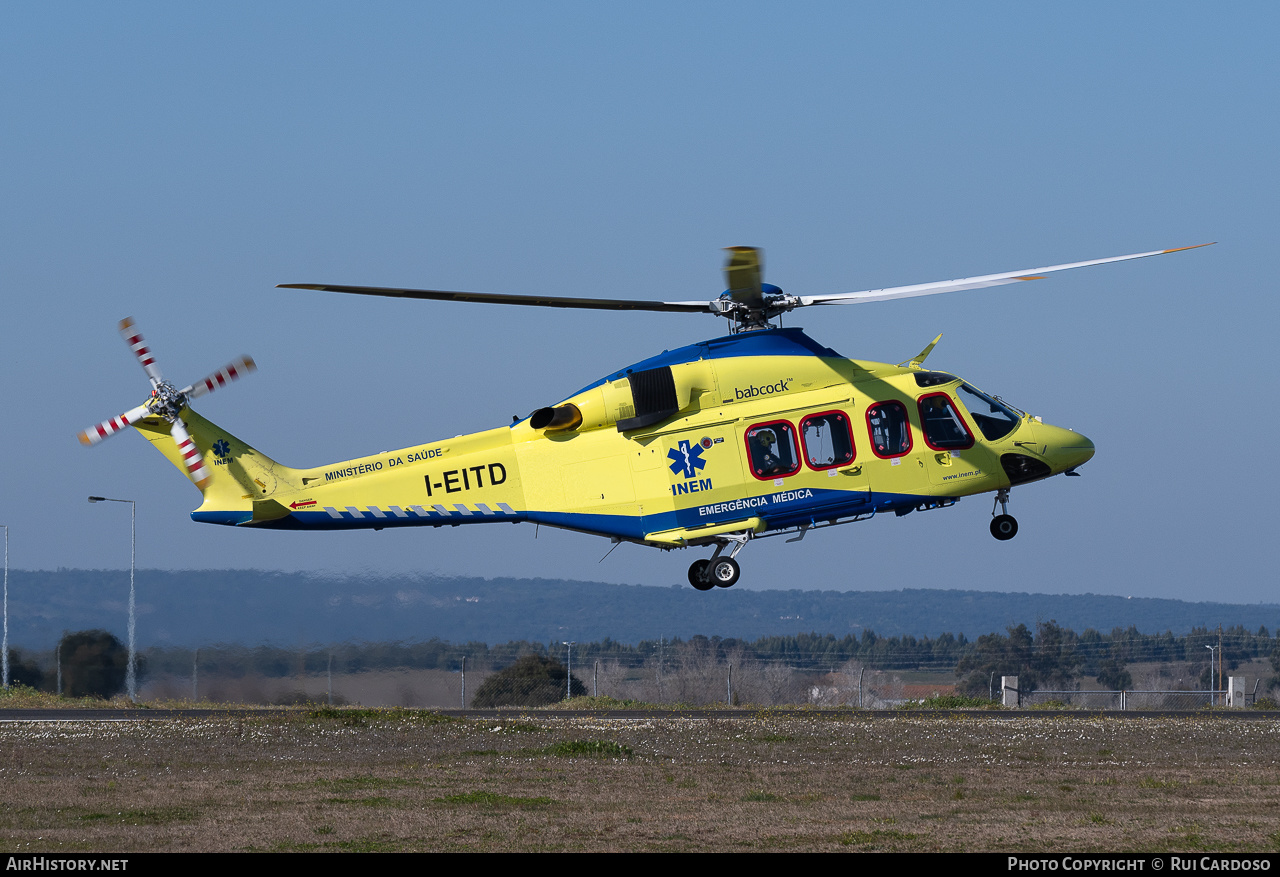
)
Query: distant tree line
[
  {"x": 1047, "y": 657},
  {"x": 1054, "y": 657},
  {"x": 1049, "y": 652},
  {"x": 807, "y": 651}
]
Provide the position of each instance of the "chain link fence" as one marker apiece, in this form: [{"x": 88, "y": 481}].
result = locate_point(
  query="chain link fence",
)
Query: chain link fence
[
  {"x": 683, "y": 678},
  {"x": 1128, "y": 700},
  {"x": 687, "y": 681}
]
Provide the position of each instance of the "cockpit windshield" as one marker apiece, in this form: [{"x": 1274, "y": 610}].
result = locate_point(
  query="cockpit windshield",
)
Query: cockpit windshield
[{"x": 995, "y": 418}]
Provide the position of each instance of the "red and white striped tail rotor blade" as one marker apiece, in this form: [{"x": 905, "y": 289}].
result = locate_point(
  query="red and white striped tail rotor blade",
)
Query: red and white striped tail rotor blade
[
  {"x": 191, "y": 456},
  {"x": 221, "y": 377},
  {"x": 95, "y": 434},
  {"x": 129, "y": 332}
]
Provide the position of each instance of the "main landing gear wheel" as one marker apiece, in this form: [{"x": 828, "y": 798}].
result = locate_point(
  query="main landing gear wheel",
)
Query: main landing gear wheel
[
  {"x": 725, "y": 572},
  {"x": 1004, "y": 527},
  {"x": 719, "y": 570},
  {"x": 698, "y": 576}
]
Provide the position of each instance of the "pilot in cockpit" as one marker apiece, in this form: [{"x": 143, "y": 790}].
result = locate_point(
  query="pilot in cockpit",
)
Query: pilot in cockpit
[{"x": 764, "y": 456}]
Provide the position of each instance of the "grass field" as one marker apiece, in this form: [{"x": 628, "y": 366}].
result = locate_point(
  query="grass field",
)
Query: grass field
[{"x": 416, "y": 781}]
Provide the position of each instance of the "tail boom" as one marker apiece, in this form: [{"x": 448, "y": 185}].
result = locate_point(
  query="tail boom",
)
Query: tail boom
[{"x": 468, "y": 479}]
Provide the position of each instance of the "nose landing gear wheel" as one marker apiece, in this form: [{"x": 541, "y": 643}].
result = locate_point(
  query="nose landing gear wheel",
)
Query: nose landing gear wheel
[
  {"x": 698, "y": 576},
  {"x": 725, "y": 572},
  {"x": 1004, "y": 527}
]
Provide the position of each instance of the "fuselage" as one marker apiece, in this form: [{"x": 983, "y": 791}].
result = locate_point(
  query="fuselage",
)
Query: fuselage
[{"x": 748, "y": 433}]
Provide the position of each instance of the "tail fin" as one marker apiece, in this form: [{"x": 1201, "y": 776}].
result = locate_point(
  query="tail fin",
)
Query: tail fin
[{"x": 241, "y": 480}]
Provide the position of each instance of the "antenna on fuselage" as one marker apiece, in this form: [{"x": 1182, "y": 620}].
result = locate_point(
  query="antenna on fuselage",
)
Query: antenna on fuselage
[{"x": 920, "y": 357}]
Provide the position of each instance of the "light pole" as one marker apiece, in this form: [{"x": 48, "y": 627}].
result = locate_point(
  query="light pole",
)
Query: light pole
[
  {"x": 4, "y": 647},
  {"x": 131, "y": 676},
  {"x": 568, "y": 677},
  {"x": 1212, "y": 688}
]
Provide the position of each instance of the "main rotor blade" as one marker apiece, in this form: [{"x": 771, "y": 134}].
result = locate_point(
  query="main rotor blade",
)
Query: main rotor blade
[
  {"x": 599, "y": 304},
  {"x": 221, "y": 377},
  {"x": 191, "y": 456},
  {"x": 107, "y": 428},
  {"x": 866, "y": 295},
  {"x": 744, "y": 274},
  {"x": 133, "y": 338}
]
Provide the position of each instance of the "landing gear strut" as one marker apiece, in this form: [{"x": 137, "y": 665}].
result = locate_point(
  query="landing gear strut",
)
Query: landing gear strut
[
  {"x": 1004, "y": 526},
  {"x": 718, "y": 571}
]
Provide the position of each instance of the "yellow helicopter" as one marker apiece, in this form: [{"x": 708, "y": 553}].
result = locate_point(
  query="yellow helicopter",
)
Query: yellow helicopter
[{"x": 760, "y": 432}]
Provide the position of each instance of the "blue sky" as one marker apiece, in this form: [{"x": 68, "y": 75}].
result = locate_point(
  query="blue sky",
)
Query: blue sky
[{"x": 173, "y": 162}]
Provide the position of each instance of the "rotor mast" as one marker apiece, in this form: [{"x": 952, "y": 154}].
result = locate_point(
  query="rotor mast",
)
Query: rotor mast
[{"x": 749, "y": 303}]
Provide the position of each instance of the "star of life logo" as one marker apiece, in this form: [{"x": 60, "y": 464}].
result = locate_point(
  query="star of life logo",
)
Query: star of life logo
[
  {"x": 221, "y": 450},
  {"x": 686, "y": 460}
]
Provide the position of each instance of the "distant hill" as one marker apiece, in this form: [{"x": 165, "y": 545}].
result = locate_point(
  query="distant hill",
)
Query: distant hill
[{"x": 198, "y": 607}]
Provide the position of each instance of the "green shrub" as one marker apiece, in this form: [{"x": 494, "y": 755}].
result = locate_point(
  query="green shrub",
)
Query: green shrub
[
  {"x": 589, "y": 749},
  {"x": 531, "y": 681},
  {"x": 94, "y": 664}
]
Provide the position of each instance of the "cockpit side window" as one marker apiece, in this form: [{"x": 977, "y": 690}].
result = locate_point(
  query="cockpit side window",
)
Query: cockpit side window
[
  {"x": 828, "y": 440},
  {"x": 889, "y": 428},
  {"x": 772, "y": 449},
  {"x": 995, "y": 419},
  {"x": 944, "y": 428}
]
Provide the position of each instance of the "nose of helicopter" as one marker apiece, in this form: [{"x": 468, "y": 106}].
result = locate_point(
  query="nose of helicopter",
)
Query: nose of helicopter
[{"x": 1064, "y": 448}]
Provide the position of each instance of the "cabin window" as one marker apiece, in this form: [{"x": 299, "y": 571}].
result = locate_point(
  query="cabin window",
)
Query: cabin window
[
  {"x": 889, "y": 428},
  {"x": 828, "y": 440},
  {"x": 771, "y": 448},
  {"x": 944, "y": 428},
  {"x": 994, "y": 418}
]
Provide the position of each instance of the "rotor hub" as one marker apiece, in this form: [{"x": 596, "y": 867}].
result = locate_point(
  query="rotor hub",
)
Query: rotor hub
[
  {"x": 754, "y": 315},
  {"x": 166, "y": 401}
]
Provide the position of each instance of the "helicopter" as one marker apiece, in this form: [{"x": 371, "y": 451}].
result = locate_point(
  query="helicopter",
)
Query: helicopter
[{"x": 760, "y": 432}]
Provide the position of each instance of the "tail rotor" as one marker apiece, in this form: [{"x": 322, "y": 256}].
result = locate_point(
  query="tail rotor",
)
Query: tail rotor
[
  {"x": 167, "y": 402},
  {"x": 220, "y": 378},
  {"x": 95, "y": 434},
  {"x": 191, "y": 456},
  {"x": 133, "y": 338}
]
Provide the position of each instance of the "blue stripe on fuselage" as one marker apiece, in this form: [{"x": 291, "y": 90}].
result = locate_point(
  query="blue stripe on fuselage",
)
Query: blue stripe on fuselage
[{"x": 784, "y": 508}]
